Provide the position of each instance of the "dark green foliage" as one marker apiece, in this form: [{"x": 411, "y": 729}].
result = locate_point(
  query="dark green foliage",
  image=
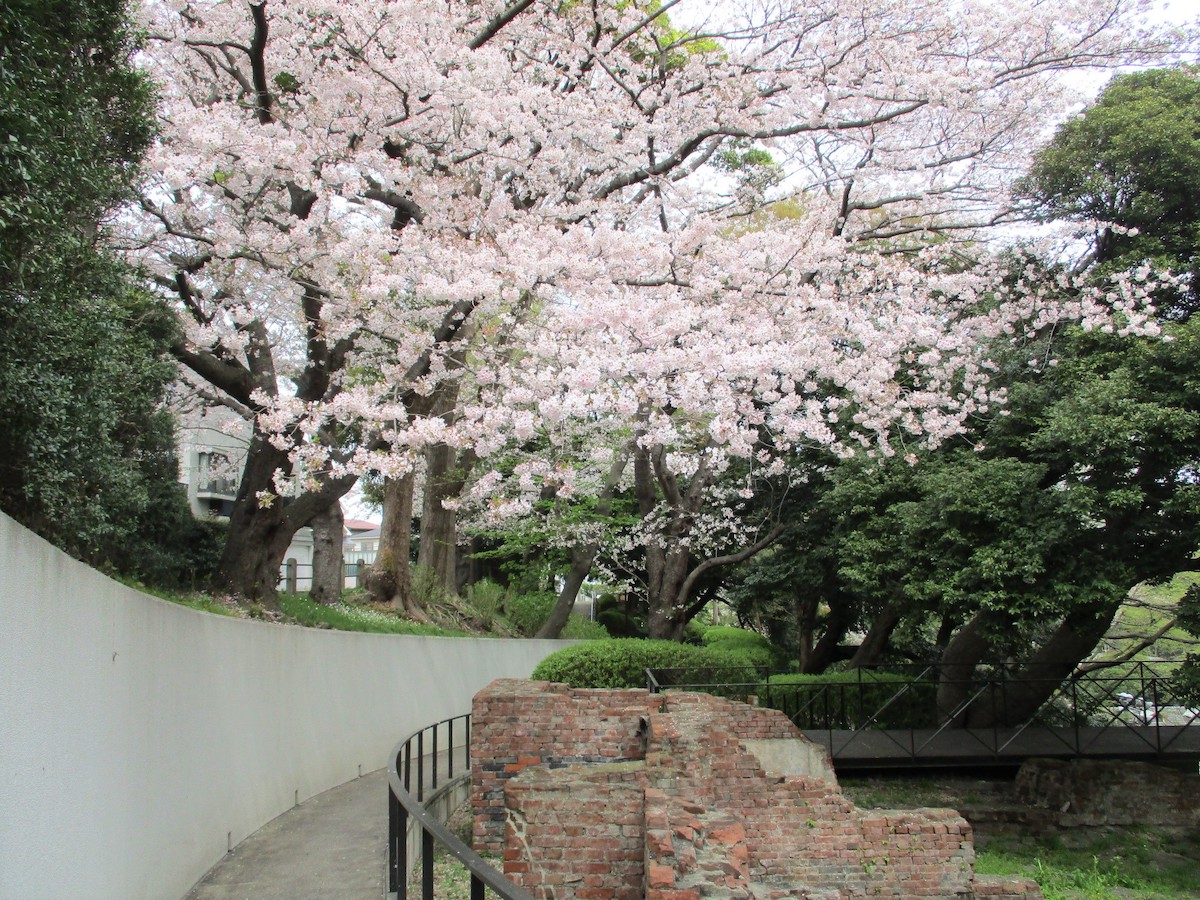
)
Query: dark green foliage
[
  {"x": 76, "y": 118},
  {"x": 853, "y": 699},
  {"x": 622, "y": 663},
  {"x": 528, "y": 612},
  {"x": 622, "y": 615},
  {"x": 1133, "y": 159},
  {"x": 580, "y": 629},
  {"x": 1187, "y": 679},
  {"x": 749, "y": 647},
  {"x": 86, "y": 448},
  {"x": 1085, "y": 486}
]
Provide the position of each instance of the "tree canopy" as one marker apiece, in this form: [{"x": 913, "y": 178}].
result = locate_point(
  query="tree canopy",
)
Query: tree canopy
[
  {"x": 1129, "y": 167},
  {"x": 708, "y": 239}
]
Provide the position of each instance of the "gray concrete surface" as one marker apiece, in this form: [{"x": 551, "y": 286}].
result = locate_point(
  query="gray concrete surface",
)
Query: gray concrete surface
[{"x": 330, "y": 847}]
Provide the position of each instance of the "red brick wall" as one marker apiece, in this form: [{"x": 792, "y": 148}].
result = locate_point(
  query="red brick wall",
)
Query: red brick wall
[
  {"x": 577, "y": 832},
  {"x": 516, "y": 724},
  {"x": 690, "y": 813}
]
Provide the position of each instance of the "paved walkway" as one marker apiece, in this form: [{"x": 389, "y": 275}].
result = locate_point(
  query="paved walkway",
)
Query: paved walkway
[{"x": 332, "y": 847}]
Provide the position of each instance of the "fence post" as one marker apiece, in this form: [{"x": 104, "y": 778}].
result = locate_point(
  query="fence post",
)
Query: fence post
[{"x": 289, "y": 584}]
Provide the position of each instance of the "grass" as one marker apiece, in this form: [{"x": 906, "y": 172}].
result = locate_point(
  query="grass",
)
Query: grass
[
  {"x": 450, "y": 878},
  {"x": 1099, "y": 864},
  {"x": 192, "y": 600},
  {"x": 356, "y": 613},
  {"x": 1149, "y": 607},
  {"x": 351, "y": 616},
  {"x": 1135, "y": 863}
]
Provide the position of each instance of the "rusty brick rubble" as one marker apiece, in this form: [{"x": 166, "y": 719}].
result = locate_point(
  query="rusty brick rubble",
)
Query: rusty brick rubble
[{"x": 624, "y": 795}]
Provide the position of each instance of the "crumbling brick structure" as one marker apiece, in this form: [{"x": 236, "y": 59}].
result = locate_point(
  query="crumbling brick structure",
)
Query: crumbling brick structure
[{"x": 623, "y": 795}]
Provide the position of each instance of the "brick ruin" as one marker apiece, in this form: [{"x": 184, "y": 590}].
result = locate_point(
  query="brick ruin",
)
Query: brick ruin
[{"x": 623, "y": 795}]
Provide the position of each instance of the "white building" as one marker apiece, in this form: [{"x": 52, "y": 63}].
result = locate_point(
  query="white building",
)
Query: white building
[{"x": 212, "y": 453}]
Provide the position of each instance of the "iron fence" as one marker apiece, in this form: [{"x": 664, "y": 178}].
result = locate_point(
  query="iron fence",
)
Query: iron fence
[
  {"x": 1128, "y": 709},
  {"x": 416, "y": 775}
]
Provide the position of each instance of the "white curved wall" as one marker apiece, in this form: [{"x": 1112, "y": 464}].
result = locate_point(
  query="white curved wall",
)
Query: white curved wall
[{"x": 139, "y": 738}]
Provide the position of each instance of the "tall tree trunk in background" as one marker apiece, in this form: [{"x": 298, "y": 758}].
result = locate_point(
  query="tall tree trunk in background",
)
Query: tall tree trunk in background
[
  {"x": 260, "y": 532},
  {"x": 446, "y": 471},
  {"x": 327, "y": 573},
  {"x": 388, "y": 579},
  {"x": 584, "y": 557},
  {"x": 1048, "y": 668},
  {"x": 668, "y": 560},
  {"x": 967, "y": 648},
  {"x": 874, "y": 644},
  {"x": 446, "y": 475}
]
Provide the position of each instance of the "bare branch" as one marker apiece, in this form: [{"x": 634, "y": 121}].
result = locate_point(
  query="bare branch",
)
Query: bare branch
[{"x": 501, "y": 19}]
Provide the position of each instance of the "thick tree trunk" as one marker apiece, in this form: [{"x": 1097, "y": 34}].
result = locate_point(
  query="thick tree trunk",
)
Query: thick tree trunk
[
  {"x": 387, "y": 580},
  {"x": 826, "y": 652},
  {"x": 583, "y": 558},
  {"x": 327, "y": 574},
  {"x": 1048, "y": 668},
  {"x": 258, "y": 534},
  {"x": 438, "y": 550},
  {"x": 804, "y": 613},
  {"x": 874, "y": 644},
  {"x": 261, "y": 530},
  {"x": 965, "y": 651}
]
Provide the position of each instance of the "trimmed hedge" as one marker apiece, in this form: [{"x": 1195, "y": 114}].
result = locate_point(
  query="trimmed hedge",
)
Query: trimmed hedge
[
  {"x": 749, "y": 646},
  {"x": 850, "y": 699},
  {"x": 622, "y": 663}
]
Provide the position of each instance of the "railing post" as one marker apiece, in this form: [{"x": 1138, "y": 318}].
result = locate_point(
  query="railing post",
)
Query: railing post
[
  {"x": 1075, "y": 713},
  {"x": 426, "y": 865},
  {"x": 1157, "y": 715},
  {"x": 450, "y": 749},
  {"x": 433, "y": 778},
  {"x": 399, "y": 840},
  {"x": 420, "y": 766}
]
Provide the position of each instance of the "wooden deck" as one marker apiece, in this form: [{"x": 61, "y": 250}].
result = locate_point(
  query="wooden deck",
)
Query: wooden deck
[{"x": 976, "y": 748}]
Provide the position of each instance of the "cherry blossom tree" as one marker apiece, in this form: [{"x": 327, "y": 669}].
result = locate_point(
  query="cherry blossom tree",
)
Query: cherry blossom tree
[{"x": 345, "y": 191}]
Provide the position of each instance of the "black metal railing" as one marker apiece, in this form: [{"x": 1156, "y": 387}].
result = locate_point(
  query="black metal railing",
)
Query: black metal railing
[
  {"x": 735, "y": 682},
  {"x": 922, "y": 713},
  {"x": 415, "y": 775}
]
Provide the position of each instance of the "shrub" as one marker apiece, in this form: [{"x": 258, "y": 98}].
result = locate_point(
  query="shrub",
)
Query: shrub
[
  {"x": 487, "y": 599},
  {"x": 621, "y": 623},
  {"x": 580, "y": 629},
  {"x": 850, "y": 699},
  {"x": 748, "y": 646},
  {"x": 622, "y": 663},
  {"x": 528, "y": 612}
]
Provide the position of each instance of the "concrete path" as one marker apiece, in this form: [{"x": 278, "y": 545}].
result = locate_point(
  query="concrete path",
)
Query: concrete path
[{"x": 332, "y": 847}]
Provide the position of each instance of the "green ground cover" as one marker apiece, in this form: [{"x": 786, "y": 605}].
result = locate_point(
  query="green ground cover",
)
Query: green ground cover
[{"x": 1110, "y": 863}]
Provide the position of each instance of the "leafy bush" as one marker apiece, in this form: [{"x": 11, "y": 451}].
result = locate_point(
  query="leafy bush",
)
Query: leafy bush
[
  {"x": 528, "y": 612},
  {"x": 621, "y": 623},
  {"x": 622, "y": 663},
  {"x": 749, "y": 646},
  {"x": 487, "y": 599},
  {"x": 850, "y": 699},
  {"x": 580, "y": 629}
]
